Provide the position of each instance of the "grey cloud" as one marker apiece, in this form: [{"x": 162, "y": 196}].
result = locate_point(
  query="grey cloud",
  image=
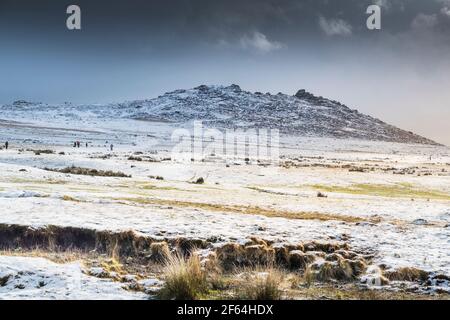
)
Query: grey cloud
[
  {"x": 446, "y": 11},
  {"x": 335, "y": 27},
  {"x": 131, "y": 49},
  {"x": 253, "y": 41},
  {"x": 424, "y": 21},
  {"x": 259, "y": 42},
  {"x": 385, "y": 4}
]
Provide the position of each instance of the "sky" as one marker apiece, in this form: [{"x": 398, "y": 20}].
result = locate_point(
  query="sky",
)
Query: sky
[{"x": 135, "y": 49}]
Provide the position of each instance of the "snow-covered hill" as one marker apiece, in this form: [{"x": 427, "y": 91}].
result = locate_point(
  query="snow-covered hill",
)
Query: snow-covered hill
[{"x": 302, "y": 114}]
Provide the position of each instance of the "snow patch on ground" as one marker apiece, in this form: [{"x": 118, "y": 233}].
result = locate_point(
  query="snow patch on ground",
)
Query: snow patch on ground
[
  {"x": 19, "y": 194},
  {"x": 38, "y": 278}
]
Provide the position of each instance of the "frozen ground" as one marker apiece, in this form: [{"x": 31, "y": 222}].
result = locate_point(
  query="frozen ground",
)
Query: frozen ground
[
  {"x": 38, "y": 278},
  {"x": 396, "y": 204}
]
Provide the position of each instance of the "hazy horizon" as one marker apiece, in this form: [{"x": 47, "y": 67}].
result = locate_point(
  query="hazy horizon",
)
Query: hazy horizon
[{"x": 137, "y": 49}]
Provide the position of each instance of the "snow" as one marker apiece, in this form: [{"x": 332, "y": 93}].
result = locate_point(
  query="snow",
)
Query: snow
[
  {"x": 38, "y": 278},
  {"x": 219, "y": 106},
  {"x": 414, "y": 244},
  {"x": 19, "y": 194},
  {"x": 151, "y": 286},
  {"x": 413, "y": 231}
]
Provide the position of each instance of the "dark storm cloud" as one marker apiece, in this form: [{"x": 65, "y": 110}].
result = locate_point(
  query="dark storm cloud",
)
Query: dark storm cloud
[
  {"x": 208, "y": 21},
  {"x": 131, "y": 49},
  {"x": 142, "y": 29}
]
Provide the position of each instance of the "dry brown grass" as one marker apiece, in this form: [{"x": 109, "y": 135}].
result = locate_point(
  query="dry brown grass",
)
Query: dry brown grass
[
  {"x": 339, "y": 270},
  {"x": 353, "y": 292},
  {"x": 398, "y": 190},
  {"x": 43, "y": 151},
  {"x": 299, "y": 260},
  {"x": 271, "y": 213},
  {"x": 160, "y": 251},
  {"x": 188, "y": 279},
  {"x": 69, "y": 198},
  {"x": 65, "y": 256},
  {"x": 264, "y": 285},
  {"x": 407, "y": 274},
  {"x": 184, "y": 278},
  {"x": 252, "y": 210},
  {"x": 335, "y": 268},
  {"x": 90, "y": 172}
]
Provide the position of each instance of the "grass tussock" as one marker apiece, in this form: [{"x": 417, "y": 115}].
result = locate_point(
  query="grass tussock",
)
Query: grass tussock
[
  {"x": 339, "y": 270},
  {"x": 160, "y": 251},
  {"x": 69, "y": 198},
  {"x": 41, "y": 151},
  {"x": 335, "y": 268},
  {"x": 90, "y": 172},
  {"x": 299, "y": 260},
  {"x": 200, "y": 180},
  {"x": 256, "y": 253},
  {"x": 184, "y": 278},
  {"x": 261, "y": 286},
  {"x": 113, "y": 266},
  {"x": 407, "y": 274},
  {"x": 156, "y": 177}
]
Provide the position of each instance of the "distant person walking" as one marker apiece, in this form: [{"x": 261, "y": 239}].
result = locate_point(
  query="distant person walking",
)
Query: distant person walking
[
  {"x": 111, "y": 147},
  {"x": 6, "y": 145}
]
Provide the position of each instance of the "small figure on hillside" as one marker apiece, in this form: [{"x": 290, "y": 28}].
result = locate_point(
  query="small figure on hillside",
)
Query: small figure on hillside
[
  {"x": 78, "y": 144},
  {"x": 6, "y": 145},
  {"x": 111, "y": 147},
  {"x": 75, "y": 144},
  {"x": 86, "y": 144}
]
